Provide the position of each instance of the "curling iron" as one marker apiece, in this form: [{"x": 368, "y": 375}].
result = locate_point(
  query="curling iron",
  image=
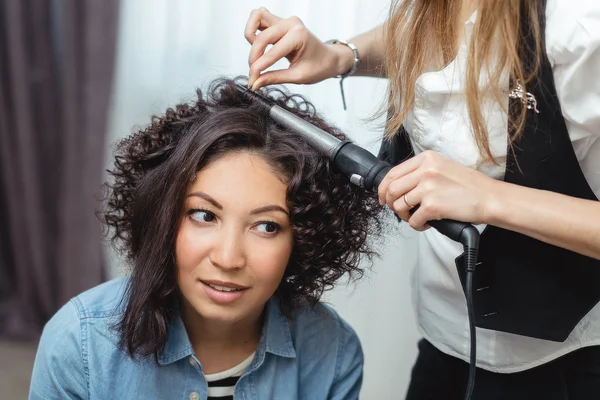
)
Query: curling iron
[
  {"x": 367, "y": 171},
  {"x": 362, "y": 167}
]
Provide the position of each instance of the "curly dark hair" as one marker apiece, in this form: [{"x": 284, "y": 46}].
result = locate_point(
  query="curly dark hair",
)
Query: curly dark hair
[{"x": 331, "y": 218}]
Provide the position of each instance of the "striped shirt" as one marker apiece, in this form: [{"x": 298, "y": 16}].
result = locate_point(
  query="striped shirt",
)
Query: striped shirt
[{"x": 221, "y": 385}]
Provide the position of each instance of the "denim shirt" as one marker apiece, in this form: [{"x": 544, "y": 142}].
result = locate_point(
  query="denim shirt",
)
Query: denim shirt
[{"x": 315, "y": 356}]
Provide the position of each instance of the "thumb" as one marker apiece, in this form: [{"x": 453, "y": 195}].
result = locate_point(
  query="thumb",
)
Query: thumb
[{"x": 288, "y": 75}]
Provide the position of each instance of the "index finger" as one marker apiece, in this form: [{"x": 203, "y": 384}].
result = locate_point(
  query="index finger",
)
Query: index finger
[{"x": 260, "y": 19}]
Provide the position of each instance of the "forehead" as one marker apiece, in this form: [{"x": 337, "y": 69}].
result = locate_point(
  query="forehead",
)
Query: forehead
[{"x": 241, "y": 178}]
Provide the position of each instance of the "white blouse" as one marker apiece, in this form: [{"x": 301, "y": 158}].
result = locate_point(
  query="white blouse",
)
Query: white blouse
[{"x": 439, "y": 121}]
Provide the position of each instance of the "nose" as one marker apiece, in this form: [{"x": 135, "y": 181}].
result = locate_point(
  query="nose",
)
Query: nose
[{"x": 229, "y": 251}]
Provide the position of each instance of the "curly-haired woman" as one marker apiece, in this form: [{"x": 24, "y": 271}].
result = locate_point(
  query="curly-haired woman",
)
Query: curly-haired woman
[{"x": 233, "y": 227}]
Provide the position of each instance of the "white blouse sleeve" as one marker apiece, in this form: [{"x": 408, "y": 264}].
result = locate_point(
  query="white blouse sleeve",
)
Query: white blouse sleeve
[{"x": 573, "y": 47}]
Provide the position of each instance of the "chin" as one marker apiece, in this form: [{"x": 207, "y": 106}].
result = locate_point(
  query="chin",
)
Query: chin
[
  {"x": 223, "y": 314},
  {"x": 230, "y": 313}
]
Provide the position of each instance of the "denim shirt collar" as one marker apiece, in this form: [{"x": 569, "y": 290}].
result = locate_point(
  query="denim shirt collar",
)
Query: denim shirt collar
[{"x": 276, "y": 337}]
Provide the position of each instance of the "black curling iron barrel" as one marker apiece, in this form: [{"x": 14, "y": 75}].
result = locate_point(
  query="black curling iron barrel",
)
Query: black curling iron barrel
[{"x": 360, "y": 165}]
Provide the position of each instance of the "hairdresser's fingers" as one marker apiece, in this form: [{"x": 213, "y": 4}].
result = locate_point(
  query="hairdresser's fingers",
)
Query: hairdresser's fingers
[
  {"x": 303, "y": 73},
  {"x": 417, "y": 207},
  {"x": 259, "y": 20},
  {"x": 398, "y": 188},
  {"x": 275, "y": 77},
  {"x": 300, "y": 70},
  {"x": 279, "y": 76},
  {"x": 273, "y": 35},
  {"x": 430, "y": 162},
  {"x": 428, "y": 210},
  {"x": 395, "y": 173},
  {"x": 406, "y": 211},
  {"x": 401, "y": 210},
  {"x": 291, "y": 40}
]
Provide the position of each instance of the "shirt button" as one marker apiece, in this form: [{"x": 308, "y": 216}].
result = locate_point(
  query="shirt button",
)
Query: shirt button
[
  {"x": 194, "y": 396},
  {"x": 193, "y": 362},
  {"x": 420, "y": 103}
]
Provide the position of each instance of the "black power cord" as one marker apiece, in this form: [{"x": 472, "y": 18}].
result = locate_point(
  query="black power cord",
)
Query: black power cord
[
  {"x": 472, "y": 334},
  {"x": 471, "y": 249}
]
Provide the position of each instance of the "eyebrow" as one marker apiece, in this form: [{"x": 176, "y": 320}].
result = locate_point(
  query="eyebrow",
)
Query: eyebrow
[
  {"x": 265, "y": 209},
  {"x": 206, "y": 197},
  {"x": 259, "y": 210}
]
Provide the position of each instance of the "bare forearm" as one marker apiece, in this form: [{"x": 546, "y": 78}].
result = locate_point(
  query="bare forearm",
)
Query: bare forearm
[
  {"x": 370, "y": 47},
  {"x": 557, "y": 219}
]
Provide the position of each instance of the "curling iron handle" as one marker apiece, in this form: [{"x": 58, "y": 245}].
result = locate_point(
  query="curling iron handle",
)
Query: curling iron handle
[
  {"x": 453, "y": 229},
  {"x": 380, "y": 175}
]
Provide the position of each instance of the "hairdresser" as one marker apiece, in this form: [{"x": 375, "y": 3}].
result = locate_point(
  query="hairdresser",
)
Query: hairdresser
[{"x": 493, "y": 119}]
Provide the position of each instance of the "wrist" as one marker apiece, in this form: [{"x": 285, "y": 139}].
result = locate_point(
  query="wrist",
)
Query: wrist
[
  {"x": 495, "y": 205},
  {"x": 345, "y": 57}
]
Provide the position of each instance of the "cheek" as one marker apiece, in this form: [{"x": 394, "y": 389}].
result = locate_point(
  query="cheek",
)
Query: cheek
[
  {"x": 271, "y": 261},
  {"x": 189, "y": 250}
]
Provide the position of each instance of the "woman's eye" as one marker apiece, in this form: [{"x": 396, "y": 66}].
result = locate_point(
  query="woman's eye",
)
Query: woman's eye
[
  {"x": 202, "y": 216},
  {"x": 268, "y": 227}
]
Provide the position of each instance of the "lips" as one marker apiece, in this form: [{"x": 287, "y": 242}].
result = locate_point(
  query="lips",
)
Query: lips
[
  {"x": 220, "y": 292},
  {"x": 227, "y": 286},
  {"x": 223, "y": 288}
]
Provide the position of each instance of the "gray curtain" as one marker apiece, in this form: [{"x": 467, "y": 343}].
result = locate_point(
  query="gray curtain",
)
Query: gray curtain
[{"x": 56, "y": 66}]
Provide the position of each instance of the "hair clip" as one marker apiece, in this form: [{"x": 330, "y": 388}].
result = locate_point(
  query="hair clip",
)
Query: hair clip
[{"x": 528, "y": 99}]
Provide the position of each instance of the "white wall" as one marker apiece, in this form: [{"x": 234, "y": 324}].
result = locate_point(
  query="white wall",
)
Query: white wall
[{"x": 167, "y": 48}]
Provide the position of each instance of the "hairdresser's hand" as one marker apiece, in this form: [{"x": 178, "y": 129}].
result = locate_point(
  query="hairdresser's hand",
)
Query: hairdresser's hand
[
  {"x": 310, "y": 59},
  {"x": 441, "y": 187}
]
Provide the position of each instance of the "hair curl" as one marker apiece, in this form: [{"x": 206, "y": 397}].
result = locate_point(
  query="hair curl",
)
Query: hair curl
[{"x": 331, "y": 218}]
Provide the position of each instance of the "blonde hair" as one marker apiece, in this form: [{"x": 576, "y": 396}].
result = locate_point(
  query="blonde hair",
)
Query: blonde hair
[{"x": 418, "y": 29}]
